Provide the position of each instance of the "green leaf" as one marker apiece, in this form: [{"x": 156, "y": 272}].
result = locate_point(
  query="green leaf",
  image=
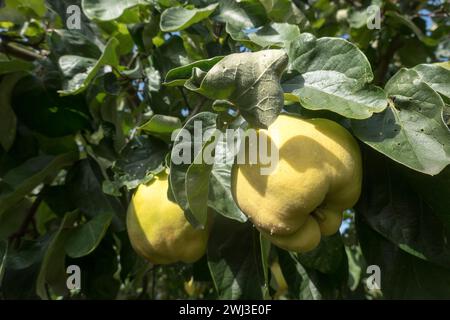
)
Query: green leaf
[
  {"x": 179, "y": 18},
  {"x": 85, "y": 238},
  {"x": 8, "y": 118},
  {"x": 275, "y": 35},
  {"x": 250, "y": 81},
  {"x": 356, "y": 265},
  {"x": 106, "y": 10},
  {"x": 161, "y": 126},
  {"x": 29, "y": 254},
  {"x": 284, "y": 11},
  {"x": 38, "y": 105},
  {"x": 334, "y": 75},
  {"x": 171, "y": 54},
  {"x": 36, "y": 6},
  {"x": 80, "y": 71},
  {"x": 406, "y": 21},
  {"x": 300, "y": 285},
  {"x": 138, "y": 162},
  {"x": 8, "y": 65},
  {"x": 53, "y": 272},
  {"x": 197, "y": 177},
  {"x": 241, "y": 16},
  {"x": 220, "y": 197},
  {"x": 437, "y": 77},
  {"x": 327, "y": 257},
  {"x": 237, "y": 274},
  {"x": 434, "y": 191},
  {"x": 403, "y": 276},
  {"x": 358, "y": 18},
  {"x": 12, "y": 219},
  {"x": 99, "y": 277},
  {"x": 391, "y": 206},
  {"x": 73, "y": 42},
  {"x": 120, "y": 32},
  {"x": 178, "y": 76},
  {"x": 84, "y": 185},
  {"x": 411, "y": 131},
  {"x": 24, "y": 178},
  {"x": 200, "y": 128}
]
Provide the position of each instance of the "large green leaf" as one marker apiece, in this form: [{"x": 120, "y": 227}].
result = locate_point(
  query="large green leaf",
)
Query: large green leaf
[
  {"x": 109, "y": 10},
  {"x": 179, "y": 18},
  {"x": 237, "y": 274},
  {"x": 84, "y": 185},
  {"x": 24, "y": 178},
  {"x": 390, "y": 206},
  {"x": 411, "y": 131},
  {"x": 403, "y": 276},
  {"x": 197, "y": 179},
  {"x": 99, "y": 271},
  {"x": 83, "y": 239},
  {"x": 53, "y": 271},
  {"x": 186, "y": 176},
  {"x": 220, "y": 197},
  {"x": 434, "y": 191},
  {"x": 249, "y": 81},
  {"x": 333, "y": 75},
  {"x": 80, "y": 71}
]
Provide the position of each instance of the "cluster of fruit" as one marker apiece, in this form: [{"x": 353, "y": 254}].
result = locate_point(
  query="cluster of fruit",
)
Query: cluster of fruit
[{"x": 318, "y": 176}]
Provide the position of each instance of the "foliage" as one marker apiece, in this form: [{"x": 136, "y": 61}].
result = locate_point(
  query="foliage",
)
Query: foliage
[{"x": 87, "y": 115}]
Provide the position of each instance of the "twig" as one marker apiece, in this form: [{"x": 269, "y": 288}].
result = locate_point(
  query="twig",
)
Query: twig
[
  {"x": 196, "y": 109},
  {"x": 133, "y": 58},
  {"x": 184, "y": 97},
  {"x": 29, "y": 219},
  {"x": 18, "y": 51},
  {"x": 145, "y": 282}
]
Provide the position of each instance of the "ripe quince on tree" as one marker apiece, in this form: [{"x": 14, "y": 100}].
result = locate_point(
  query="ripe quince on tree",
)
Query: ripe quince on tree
[
  {"x": 318, "y": 176},
  {"x": 158, "y": 229}
]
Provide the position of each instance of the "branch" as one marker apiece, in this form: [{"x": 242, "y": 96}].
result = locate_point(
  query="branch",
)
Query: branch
[
  {"x": 19, "y": 51},
  {"x": 385, "y": 60}
]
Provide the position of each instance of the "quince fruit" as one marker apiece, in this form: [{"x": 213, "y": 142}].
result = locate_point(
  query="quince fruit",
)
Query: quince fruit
[
  {"x": 318, "y": 176},
  {"x": 158, "y": 229}
]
